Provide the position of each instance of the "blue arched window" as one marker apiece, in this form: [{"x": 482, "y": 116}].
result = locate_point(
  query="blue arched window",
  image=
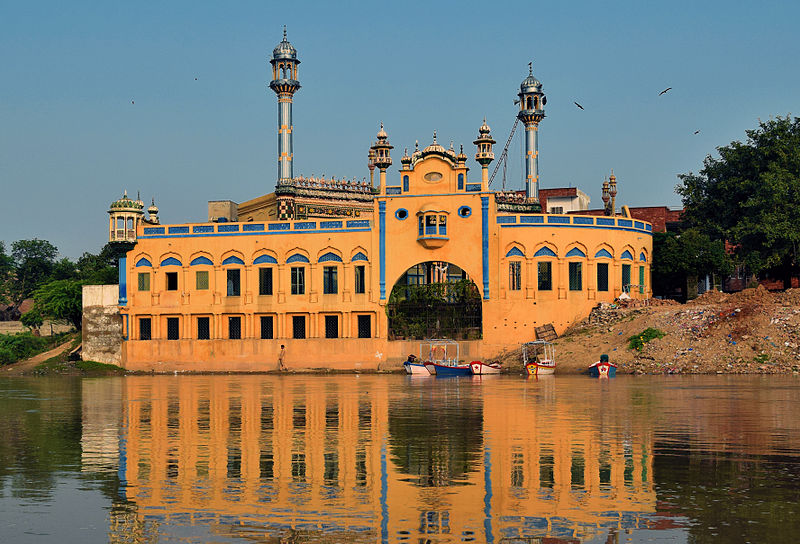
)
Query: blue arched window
[
  {"x": 626, "y": 255},
  {"x": 201, "y": 260},
  {"x": 575, "y": 252},
  {"x": 171, "y": 261},
  {"x": 603, "y": 254},
  {"x": 405, "y": 184},
  {"x": 232, "y": 260},
  {"x": 461, "y": 182},
  {"x": 515, "y": 252},
  {"x": 545, "y": 252},
  {"x": 143, "y": 262},
  {"x": 265, "y": 259}
]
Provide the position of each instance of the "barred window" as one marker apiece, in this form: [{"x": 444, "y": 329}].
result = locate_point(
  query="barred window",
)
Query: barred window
[
  {"x": 515, "y": 275},
  {"x": 267, "y": 331},
  {"x": 331, "y": 326},
  {"x": 172, "y": 281},
  {"x": 626, "y": 277},
  {"x": 203, "y": 328},
  {"x": 264, "y": 281},
  {"x": 235, "y": 328},
  {"x": 144, "y": 281},
  {"x": 641, "y": 280},
  {"x": 145, "y": 332},
  {"x": 234, "y": 282},
  {"x": 330, "y": 281},
  {"x": 173, "y": 328},
  {"x": 201, "y": 280},
  {"x": 545, "y": 276},
  {"x": 360, "y": 273},
  {"x": 298, "y": 280},
  {"x": 575, "y": 276},
  {"x": 364, "y": 326},
  {"x": 298, "y": 326},
  {"x": 602, "y": 276}
]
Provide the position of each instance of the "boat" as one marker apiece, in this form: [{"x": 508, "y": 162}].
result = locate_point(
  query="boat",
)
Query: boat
[
  {"x": 414, "y": 366},
  {"x": 603, "y": 368},
  {"x": 441, "y": 358},
  {"x": 480, "y": 368},
  {"x": 539, "y": 358}
]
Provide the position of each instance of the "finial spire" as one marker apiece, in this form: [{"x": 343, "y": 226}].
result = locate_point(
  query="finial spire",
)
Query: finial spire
[
  {"x": 284, "y": 33},
  {"x": 530, "y": 64},
  {"x": 434, "y": 136}
]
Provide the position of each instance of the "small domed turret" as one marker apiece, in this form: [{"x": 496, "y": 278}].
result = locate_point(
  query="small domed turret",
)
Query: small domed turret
[{"x": 284, "y": 50}]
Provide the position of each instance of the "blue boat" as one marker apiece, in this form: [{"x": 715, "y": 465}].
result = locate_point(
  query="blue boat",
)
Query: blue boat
[
  {"x": 603, "y": 368},
  {"x": 443, "y": 371},
  {"x": 441, "y": 358}
]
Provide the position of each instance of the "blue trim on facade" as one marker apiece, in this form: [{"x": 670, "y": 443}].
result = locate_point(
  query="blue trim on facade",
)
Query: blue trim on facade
[
  {"x": 485, "y": 244},
  {"x": 265, "y": 259},
  {"x": 461, "y": 182},
  {"x": 545, "y": 252},
  {"x": 279, "y": 226},
  {"x": 558, "y": 219},
  {"x": 228, "y": 228},
  {"x": 203, "y": 228},
  {"x": 405, "y": 183},
  {"x": 330, "y": 257},
  {"x": 626, "y": 255},
  {"x": 123, "y": 282},
  {"x": 253, "y": 227},
  {"x": 178, "y": 230},
  {"x": 464, "y": 212},
  {"x": 642, "y": 258},
  {"x": 143, "y": 262},
  {"x": 515, "y": 252},
  {"x": 233, "y": 259},
  {"x": 306, "y": 225},
  {"x": 359, "y": 257},
  {"x": 473, "y": 187},
  {"x": 382, "y": 246},
  {"x": 330, "y": 224},
  {"x": 200, "y": 260},
  {"x": 638, "y": 224},
  {"x": 624, "y": 223},
  {"x": 531, "y": 219},
  {"x": 171, "y": 261},
  {"x": 358, "y": 224},
  {"x": 580, "y": 227},
  {"x": 575, "y": 252},
  {"x": 297, "y": 258},
  {"x": 583, "y": 220},
  {"x": 603, "y": 254},
  {"x": 401, "y": 212},
  {"x": 154, "y": 230},
  {"x": 605, "y": 221},
  {"x": 649, "y": 227},
  {"x": 502, "y": 219},
  {"x": 319, "y": 231},
  {"x": 393, "y": 190}
]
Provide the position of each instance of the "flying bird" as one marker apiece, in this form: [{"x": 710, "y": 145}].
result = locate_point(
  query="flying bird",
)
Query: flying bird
[
  {"x": 697, "y": 132},
  {"x": 131, "y": 101},
  {"x": 581, "y": 107},
  {"x": 195, "y": 79},
  {"x": 665, "y": 91}
]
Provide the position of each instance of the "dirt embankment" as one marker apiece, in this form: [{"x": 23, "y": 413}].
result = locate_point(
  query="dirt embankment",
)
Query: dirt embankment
[{"x": 753, "y": 331}]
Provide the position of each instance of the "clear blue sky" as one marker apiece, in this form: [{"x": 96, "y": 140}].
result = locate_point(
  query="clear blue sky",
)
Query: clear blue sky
[{"x": 71, "y": 141}]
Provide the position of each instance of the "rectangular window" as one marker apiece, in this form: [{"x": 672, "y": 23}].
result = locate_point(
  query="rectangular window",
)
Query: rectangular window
[
  {"x": 331, "y": 326},
  {"x": 330, "y": 282},
  {"x": 442, "y": 225},
  {"x": 545, "y": 276},
  {"x": 515, "y": 275},
  {"x": 602, "y": 276},
  {"x": 201, "y": 280},
  {"x": 298, "y": 280},
  {"x": 360, "y": 275},
  {"x": 298, "y": 326},
  {"x": 626, "y": 278},
  {"x": 235, "y": 328},
  {"x": 144, "y": 281},
  {"x": 172, "y": 281},
  {"x": 575, "y": 276},
  {"x": 267, "y": 327},
  {"x": 234, "y": 282},
  {"x": 364, "y": 326},
  {"x": 641, "y": 280},
  {"x": 264, "y": 281},
  {"x": 557, "y": 209},
  {"x": 420, "y": 227},
  {"x": 173, "y": 328},
  {"x": 145, "y": 332},
  {"x": 203, "y": 328}
]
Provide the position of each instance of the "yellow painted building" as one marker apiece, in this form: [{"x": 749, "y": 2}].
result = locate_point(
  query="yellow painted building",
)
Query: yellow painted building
[{"x": 317, "y": 273}]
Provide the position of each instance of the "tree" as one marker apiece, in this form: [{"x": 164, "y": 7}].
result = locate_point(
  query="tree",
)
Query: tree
[
  {"x": 681, "y": 257},
  {"x": 6, "y": 274},
  {"x": 33, "y": 261},
  {"x": 750, "y": 196},
  {"x": 32, "y": 319},
  {"x": 60, "y": 299}
]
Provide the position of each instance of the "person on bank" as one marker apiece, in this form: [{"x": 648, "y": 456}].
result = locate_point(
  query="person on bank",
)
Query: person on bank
[{"x": 282, "y": 358}]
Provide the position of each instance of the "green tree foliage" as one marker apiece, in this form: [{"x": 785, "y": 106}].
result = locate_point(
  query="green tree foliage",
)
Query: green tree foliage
[
  {"x": 60, "y": 300},
  {"x": 750, "y": 196},
  {"x": 691, "y": 253},
  {"x": 32, "y": 319},
  {"x": 34, "y": 261},
  {"x": 6, "y": 274}
]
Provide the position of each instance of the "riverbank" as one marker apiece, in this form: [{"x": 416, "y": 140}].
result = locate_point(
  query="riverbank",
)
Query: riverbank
[
  {"x": 750, "y": 332},
  {"x": 57, "y": 362}
]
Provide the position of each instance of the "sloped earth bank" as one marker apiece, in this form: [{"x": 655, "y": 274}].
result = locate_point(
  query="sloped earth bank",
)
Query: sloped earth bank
[{"x": 750, "y": 332}]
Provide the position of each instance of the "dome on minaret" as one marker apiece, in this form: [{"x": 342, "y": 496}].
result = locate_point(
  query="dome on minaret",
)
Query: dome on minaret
[
  {"x": 284, "y": 50},
  {"x": 530, "y": 84}
]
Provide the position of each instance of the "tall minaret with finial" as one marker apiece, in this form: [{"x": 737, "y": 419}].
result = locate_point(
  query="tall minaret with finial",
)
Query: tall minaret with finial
[
  {"x": 484, "y": 155},
  {"x": 531, "y": 112},
  {"x": 382, "y": 160},
  {"x": 285, "y": 84}
]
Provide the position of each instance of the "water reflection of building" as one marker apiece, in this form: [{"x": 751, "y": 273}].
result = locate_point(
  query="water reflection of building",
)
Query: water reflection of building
[
  {"x": 101, "y": 415},
  {"x": 361, "y": 459}
]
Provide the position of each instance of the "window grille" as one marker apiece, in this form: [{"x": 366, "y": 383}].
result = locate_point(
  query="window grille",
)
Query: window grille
[
  {"x": 545, "y": 276},
  {"x": 201, "y": 280},
  {"x": 234, "y": 282},
  {"x": 331, "y": 326},
  {"x": 360, "y": 273},
  {"x": 515, "y": 275},
  {"x": 203, "y": 328},
  {"x": 173, "y": 328},
  {"x": 602, "y": 276},
  {"x": 267, "y": 332},
  {"x": 145, "y": 332},
  {"x": 298, "y": 326},
  {"x": 144, "y": 281},
  {"x": 298, "y": 280},
  {"x": 364, "y": 326},
  {"x": 235, "y": 328},
  {"x": 264, "y": 281},
  {"x": 575, "y": 277},
  {"x": 330, "y": 281}
]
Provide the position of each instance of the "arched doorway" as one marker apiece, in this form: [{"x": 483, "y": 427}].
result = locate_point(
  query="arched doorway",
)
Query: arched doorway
[{"x": 434, "y": 299}]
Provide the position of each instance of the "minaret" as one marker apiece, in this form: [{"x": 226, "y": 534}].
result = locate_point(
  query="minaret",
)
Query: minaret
[
  {"x": 284, "y": 83},
  {"x": 531, "y": 112},
  {"x": 484, "y": 156},
  {"x": 382, "y": 159}
]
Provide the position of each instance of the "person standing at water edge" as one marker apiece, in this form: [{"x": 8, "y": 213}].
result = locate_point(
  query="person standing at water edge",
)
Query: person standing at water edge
[{"x": 282, "y": 358}]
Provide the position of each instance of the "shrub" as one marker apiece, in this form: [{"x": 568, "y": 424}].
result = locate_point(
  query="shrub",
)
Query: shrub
[{"x": 637, "y": 341}]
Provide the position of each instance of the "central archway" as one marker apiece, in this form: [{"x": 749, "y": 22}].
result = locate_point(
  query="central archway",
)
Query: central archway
[{"x": 434, "y": 299}]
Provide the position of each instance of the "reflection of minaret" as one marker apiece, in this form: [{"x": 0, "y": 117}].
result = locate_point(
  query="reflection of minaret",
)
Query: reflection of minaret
[
  {"x": 285, "y": 84},
  {"x": 531, "y": 112}
]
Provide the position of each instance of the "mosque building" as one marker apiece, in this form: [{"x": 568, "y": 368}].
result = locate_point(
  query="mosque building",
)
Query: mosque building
[{"x": 350, "y": 274}]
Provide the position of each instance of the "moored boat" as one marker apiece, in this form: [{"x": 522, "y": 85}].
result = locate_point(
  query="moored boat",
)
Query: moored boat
[
  {"x": 414, "y": 366},
  {"x": 441, "y": 358},
  {"x": 539, "y": 358},
  {"x": 443, "y": 370},
  {"x": 603, "y": 368},
  {"x": 480, "y": 368}
]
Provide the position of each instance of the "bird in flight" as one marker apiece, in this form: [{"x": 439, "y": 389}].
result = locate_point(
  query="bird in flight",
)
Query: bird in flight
[
  {"x": 581, "y": 107},
  {"x": 697, "y": 132},
  {"x": 195, "y": 79},
  {"x": 665, "y": 91},
  {"x": 131, "y": 101}
]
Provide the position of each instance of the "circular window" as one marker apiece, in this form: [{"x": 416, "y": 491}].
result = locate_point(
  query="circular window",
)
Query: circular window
[
  {"x": 401, "y": 214},
  {"x": 464, "y": 211},
  {"x": 433, "y": 177}
]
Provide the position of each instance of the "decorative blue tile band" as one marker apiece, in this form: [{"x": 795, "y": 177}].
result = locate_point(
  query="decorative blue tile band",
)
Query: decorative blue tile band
[
  {"x": 178, "y": 230},
  {"x": 265, "y": 259},
  {"x": 297, "y": 258},
  {"x": 583, "y": 220},
  {"x": 545, "y": 252},
  {"x": 625, "y": 223},
  {"x": 201, "y": 260},
  {"x": 233, "y": 259},
  {"x": 253, "y": 227},
  {"x": 575, "y": 252},
  {"x": 278, "y": 226},
  {"x": 171, "y": 261},
  {"x": 307, "y": 225},
  {"x": 649, "y": 227},
  {"x": 358, "y": 224},
  {"x": 638, "y": 224},
  {"x": 330, "y": 257},
  {"x": 154, "y": 230},
  {"x": 558, "y": 219},
  {"x": 143, "y": 262},
  {"x": 531, "y": 219},
  {"x": 203, "y": 228},
  {"x": 473, "y": 187},
  {"x": 393, "y": 191},
  {"x": 515, "y": 252},
  {"x": 359, "y": 257},
  {"x": 330, "y": 224},
  {"x": 227, "y": 228},
  {"x": 605, "y": 221},
  {"x": 604, "y": 254},
  {"x": 506, "y": 219}
]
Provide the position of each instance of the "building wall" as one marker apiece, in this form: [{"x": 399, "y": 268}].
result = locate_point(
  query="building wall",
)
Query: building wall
[{"x": 101, "y": 324}]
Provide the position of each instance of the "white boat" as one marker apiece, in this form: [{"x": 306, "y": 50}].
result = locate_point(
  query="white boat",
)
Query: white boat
[
  {"x": 480, "y": 368},
  {"x": 416, "y": 368},
  {"x": 539, "y": 358}
]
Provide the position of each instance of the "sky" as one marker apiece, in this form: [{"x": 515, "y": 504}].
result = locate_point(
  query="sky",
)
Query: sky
[{"x": 171, "y": 99}]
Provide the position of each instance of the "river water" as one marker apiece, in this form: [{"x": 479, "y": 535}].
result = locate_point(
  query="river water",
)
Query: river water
[{"x": 390, "y": 458}]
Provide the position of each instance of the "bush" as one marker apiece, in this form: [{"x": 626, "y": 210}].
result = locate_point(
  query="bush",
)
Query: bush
[
  {"x": 638, "y": 341},
  {"x": 15, "y": 347}
]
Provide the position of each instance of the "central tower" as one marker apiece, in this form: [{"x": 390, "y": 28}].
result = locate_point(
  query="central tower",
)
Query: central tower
[
  {"x": 285, "y": 84},
  {"x": 531, "y": 112}
]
